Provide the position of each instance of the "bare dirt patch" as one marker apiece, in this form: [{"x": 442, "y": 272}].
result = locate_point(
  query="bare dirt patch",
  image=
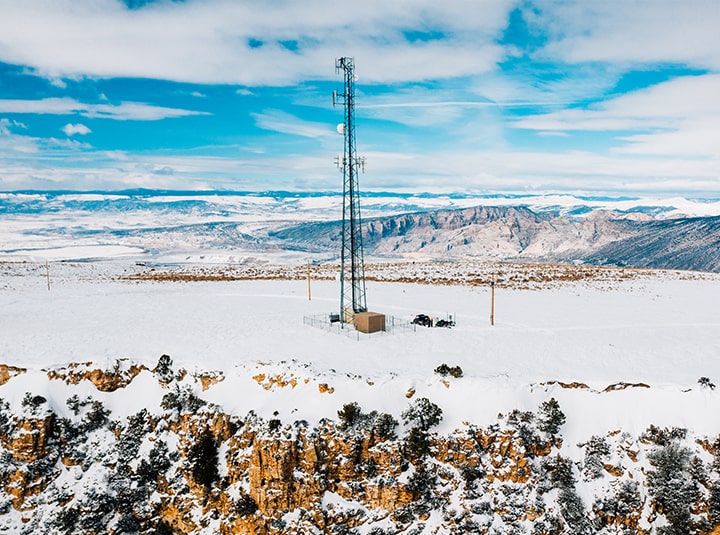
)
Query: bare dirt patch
[{"x": 504, "y": 275}]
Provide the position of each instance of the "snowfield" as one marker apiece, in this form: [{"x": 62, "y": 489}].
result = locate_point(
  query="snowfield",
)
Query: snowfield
[
  {"x": 635, "y": 348},
  {"x": 158, "y": 375}
]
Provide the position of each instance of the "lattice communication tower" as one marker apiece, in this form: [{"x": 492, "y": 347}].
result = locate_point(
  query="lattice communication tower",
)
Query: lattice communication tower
[{"x": 352, "y": 267}]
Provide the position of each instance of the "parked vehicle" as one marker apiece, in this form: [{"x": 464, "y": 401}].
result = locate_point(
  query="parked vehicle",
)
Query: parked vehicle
[{"x": 424, "y": 320}]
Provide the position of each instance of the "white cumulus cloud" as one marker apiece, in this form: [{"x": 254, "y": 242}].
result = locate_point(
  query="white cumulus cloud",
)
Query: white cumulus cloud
[
  {"x": 125, "y": 111},
  {"x": 73, "y": 129},
  {"x": 252, "y": 42},
  {"x": 280, "y": 121}
]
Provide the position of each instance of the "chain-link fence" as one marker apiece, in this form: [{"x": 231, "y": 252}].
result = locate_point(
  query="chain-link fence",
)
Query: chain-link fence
[{"x": 332, "y": 323}]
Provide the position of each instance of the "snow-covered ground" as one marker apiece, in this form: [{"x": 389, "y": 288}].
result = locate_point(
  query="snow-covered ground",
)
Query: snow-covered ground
[{"x": 662, "y": 331}]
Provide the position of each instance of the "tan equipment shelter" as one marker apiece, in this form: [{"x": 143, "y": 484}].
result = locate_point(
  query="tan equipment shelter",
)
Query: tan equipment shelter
[{"x": 369, "y": 322}]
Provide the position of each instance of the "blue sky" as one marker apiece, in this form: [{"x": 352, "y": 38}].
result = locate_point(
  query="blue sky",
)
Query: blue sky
[{"x": 481, "y": 96}]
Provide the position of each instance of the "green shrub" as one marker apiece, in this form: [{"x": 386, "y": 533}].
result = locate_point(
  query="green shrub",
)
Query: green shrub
[
  {"x": 96, "y": 417},
  {"x": 422, "y": 414},
  {"x": 597, "y": 451},
  {"x": 417, "y": 444},
  {"x": 663, "y": 436},
  {"x": 445, "y": 370},
  {"x": 381, "y": 425},
  {"x": 349, "y": 416},
  {"x": 671, "y": 486},
  {"x": 551, "y": 418},
  {"x": 245, "y": 505},
  {"x": 559, "y": 471}
]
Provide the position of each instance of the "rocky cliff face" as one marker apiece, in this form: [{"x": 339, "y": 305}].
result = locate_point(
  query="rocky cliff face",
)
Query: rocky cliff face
[
  {"x": 518, "y": 233},
  {"x": 187, "y": 466}
]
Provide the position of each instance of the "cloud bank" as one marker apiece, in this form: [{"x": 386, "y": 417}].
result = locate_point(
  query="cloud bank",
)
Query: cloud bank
[{"x": 461, "y": 95}]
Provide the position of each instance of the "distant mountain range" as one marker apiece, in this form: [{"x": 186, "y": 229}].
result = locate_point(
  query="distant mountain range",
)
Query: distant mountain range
[
  {"x": 633, "y": 239},
  {"x": 216, "y": 227}
]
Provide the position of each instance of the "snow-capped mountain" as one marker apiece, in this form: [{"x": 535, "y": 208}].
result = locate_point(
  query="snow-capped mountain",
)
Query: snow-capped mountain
[
  {"x": 286, "y": 227},
  {"x": 632, "y": 239}
]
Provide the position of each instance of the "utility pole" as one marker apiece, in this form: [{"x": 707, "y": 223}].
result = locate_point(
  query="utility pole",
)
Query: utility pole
[
  {"x": 352, "y": 266},
  {"x": 309, "y": 297},
  {"x": 492, "y": 300}
]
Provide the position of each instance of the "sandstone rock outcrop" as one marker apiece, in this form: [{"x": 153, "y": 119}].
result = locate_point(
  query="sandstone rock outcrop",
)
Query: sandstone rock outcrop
[{"x": 188, "y": 467}]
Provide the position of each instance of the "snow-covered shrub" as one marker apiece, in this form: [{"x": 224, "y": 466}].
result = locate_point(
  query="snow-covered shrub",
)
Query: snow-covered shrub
[
  {"x": 94, "y": 513},
  {"x": 422, "y": 414},
  {"x": 403, "y": 516},
  {"x": 706, "y": 383},
  {"x": 549, "y": 525},
  {"x": 74, "y": 404},
  {"x": 96, "y": 417},
  {"x": 341, "y": 529},
  {"x": 627, "y": 498},
  {"x": 43, "y": 466},
  {"x": 32, "y": 405},
  {"x": 368, "y": 468},
  {"x": 181, "y": 400},
  {"x": 559, "y": 472},
  {"x": 471, "y": 474},
  {"x": 469, "y": 525},
  {"x": 121, "y": 485},
  {"x": 453, "y": 371},
  {"x": 381, "y": 425},
  {"x": 672, "y": 487},
  {"x": 512, "y": 502},
  {"x": 7, "y": 425},
  {"x": 245, "y": 505},
  {"x": 517, "y": 417},
  {"x": 65, "y": 519},
  {"x": 482, "y": 508},
  {"x": 624, "y": 501},
  {"x": 132, "y": 436},
  {"x": 5, "y": 504},
  {"x": 697, "y": 471},
  {"x": 384, "y": 426},
  {"x": 349, "y": 416},
  {"x": 163, "y": 370},
  {"x": 573, "y": 511},
  {"x": 417, "y": 444},
  {"x": 160, "y": 458},
  {"x": 8, "y": 464},
  {"x": 527, "y": 432},
  {"x": 597, "y": 451},
  {"x": 422, "y": 484},
  {"x": 127, "y": 524},
  {"x": 714, "y": 503},
  {"x": 551, "y": 418},
  {"x": 274, "y": 425},
  {"x": 663, "y": 436}
]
